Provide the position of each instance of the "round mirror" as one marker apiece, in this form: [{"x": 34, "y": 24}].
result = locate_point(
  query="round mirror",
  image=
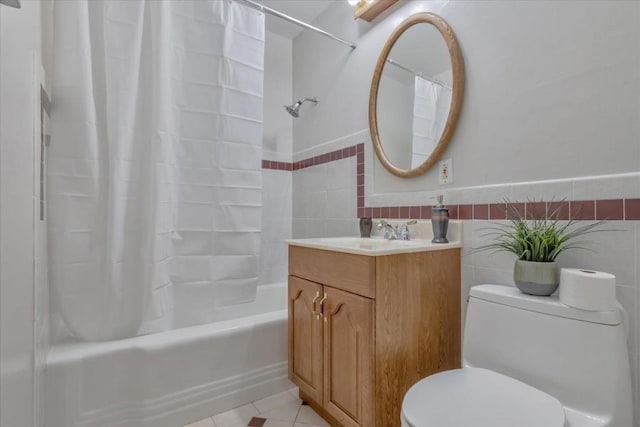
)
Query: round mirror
[{"x": 416, "y": 95}]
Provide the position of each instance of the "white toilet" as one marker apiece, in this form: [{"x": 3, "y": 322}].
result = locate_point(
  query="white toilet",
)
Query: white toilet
[{"x": 529, "y": 362}]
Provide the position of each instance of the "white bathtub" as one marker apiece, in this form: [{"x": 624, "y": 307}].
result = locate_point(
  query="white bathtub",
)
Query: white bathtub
[{"x": 175, "y": 377}]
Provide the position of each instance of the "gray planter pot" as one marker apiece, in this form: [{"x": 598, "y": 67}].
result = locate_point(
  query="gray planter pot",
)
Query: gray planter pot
[{"x": 536, "y": 278}]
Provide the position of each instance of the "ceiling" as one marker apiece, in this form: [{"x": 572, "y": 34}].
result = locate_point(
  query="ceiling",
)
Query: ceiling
[{"x": 304, "y": 10}]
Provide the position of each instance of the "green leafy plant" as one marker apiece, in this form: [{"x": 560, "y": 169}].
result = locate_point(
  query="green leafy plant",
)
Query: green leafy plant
[{"x": 537, "y": 239}]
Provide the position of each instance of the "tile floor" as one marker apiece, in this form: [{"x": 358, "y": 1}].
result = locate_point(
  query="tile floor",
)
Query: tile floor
[{"x": 280, "y": 410}]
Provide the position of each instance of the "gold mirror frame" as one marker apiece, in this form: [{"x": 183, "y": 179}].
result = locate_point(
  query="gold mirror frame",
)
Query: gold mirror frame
[{"x": 456, "y": 97}]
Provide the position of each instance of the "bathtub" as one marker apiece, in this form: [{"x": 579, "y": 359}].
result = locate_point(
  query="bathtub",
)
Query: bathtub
[{"x": 175, "y": 377}]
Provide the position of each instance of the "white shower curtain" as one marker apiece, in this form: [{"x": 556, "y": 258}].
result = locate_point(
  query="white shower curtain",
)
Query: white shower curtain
[
  {"x": 431, "y": 103},
  {"x": 154, "y": 174}
]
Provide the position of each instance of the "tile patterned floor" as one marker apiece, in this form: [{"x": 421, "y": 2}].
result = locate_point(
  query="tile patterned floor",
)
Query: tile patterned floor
[{"x": 280, "y": 410}]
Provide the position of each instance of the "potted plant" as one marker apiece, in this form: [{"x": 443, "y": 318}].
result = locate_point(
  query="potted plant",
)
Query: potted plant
[{"x": 537, "y": 242}]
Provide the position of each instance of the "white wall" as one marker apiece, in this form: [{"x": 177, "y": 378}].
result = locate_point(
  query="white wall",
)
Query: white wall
[
  {"x": 551, "y": 110},
  {"x": 570, "y": 88},
  {"x": 22, "y": 346},
  {"x": 278, "y": 129},
  {"x": 277, "y": 143}
]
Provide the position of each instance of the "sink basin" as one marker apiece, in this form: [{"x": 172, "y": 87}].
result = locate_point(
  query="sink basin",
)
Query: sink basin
[
  {"x": 368, "y": 244},
  {"x": 371, "y": 246}
]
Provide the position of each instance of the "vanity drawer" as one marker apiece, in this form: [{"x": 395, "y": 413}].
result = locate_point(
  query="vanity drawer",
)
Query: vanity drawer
[{"x": 349, "y": 272}]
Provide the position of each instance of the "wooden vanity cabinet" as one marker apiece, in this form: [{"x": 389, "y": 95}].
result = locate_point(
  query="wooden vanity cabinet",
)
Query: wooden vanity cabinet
[
  {"x": 363, "y": 329},
  {"x": 305, "y": 330}
]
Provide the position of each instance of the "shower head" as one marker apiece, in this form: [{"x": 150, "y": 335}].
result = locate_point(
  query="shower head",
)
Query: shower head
[
  {"x": 12, "y": 3},
  {"x": 294, "y": 109}
]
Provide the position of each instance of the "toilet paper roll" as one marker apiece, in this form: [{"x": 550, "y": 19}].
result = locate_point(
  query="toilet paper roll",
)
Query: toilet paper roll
[{"x": 588, "y": 289}]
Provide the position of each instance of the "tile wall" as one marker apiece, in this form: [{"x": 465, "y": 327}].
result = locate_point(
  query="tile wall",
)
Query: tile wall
[
  {"x": 42, "y": 312},
  {"x": 324, "y": 199},
  {"x": 23, "y": 291},
  {"x": 326, "y": 203},
  {"x": 276, "y": 224},
  {"x": 546, "y": 116}
]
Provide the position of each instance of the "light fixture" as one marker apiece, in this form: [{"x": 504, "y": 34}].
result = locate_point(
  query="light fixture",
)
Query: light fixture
[
  {"x": 12, "y": 3},
  {"x": 369, "y": 9}
]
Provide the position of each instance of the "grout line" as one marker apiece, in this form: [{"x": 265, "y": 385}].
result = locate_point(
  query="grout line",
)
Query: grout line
[
  {"x": 255, "y": 407},
  {"x": 295, "y": 420}
]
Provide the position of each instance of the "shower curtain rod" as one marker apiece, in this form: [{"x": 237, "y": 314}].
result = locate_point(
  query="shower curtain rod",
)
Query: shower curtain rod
[
  {"x": 299, "y": 23},
  {"x": 402, "y": 67}
]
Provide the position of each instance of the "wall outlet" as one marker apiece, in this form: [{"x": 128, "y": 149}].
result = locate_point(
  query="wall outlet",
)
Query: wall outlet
[{"x": 445, "y": 175}]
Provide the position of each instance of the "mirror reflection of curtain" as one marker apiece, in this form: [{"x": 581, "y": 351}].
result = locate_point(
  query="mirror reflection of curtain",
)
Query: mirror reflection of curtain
[{"x": 431, "y": 102}]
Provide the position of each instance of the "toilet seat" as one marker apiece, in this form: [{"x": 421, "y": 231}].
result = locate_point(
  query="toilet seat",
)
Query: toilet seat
[{"x": 476, "y": 397}]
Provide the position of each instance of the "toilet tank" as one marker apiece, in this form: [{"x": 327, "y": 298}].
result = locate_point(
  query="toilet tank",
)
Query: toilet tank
[{"x": 580, "y": 357}]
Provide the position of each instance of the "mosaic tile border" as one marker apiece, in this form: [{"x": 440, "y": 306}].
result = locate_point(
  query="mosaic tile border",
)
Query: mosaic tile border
[
  {"x": 312, "y": 161},
  {"x": 600, "y": 209}
]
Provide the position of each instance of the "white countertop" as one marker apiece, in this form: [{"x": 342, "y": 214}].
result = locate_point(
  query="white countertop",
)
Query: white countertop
[
  {"x": 375, "y": 246},
  {"x": 421, "y": 235}
]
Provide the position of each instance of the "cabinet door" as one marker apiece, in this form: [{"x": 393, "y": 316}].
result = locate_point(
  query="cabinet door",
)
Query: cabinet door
[
  {"x": 348, "y": 358},
  {"x": 305, "y": 337}
]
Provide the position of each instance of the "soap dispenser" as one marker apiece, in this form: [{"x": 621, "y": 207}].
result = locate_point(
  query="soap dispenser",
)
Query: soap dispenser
[{"x": 440, "y": 221}]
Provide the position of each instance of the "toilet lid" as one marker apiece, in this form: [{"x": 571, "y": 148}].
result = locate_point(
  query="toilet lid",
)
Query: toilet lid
[{"x": 476, "y": 397}]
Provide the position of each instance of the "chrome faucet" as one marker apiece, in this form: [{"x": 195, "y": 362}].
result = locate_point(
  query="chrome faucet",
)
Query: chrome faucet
[
  {"x": 392, "y": 233},
  {"x": 404, "y": 230}
]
